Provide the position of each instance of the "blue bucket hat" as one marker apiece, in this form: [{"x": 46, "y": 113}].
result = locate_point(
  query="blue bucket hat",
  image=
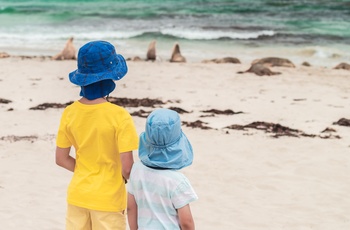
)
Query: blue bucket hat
[
  {"x": 97, "y": 61},
  {"x": 163, "y": 145}
]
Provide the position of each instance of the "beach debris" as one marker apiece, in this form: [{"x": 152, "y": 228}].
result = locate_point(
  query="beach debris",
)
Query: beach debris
[
  {"x": 151, "y": 52},
  {"x": 4, "y": 101},
  {"x": 208, "y": 115},
  {"x": 329, "y": 130},
  {"x": 176, "y": 54},
  {"x": 327, "y": 133},
  {"x": 305, "y": 63},
  {"x": 196, "y": 124},
  {"x": 223, "y": 60},
  {"x": 68, "y": 52},
  {"x": 236, "y": 127},
  {"x": 274, "y": 61},
  {"x": 225, "y": 112},
  {"x": 178, "y": 110},
  {"x": 329, "y": 136},
  {"x": 259, "y": 70},
  {"x": 342, "y": 122},
  {"x": 40, "y": 57},
  {"x": 125, "y": 102},
  {"x": 4, "y": 55},
  {"x": 135, "y": 102},
  {"x": 13, "y": 138},
  {"x": 343, "y": 65},
  {"x": 45, "y": 106},
  {"x": 141, "y": 113},
  {"x": 277, "y": 129}
]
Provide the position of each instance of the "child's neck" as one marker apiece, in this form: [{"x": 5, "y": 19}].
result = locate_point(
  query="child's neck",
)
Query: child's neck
[{"x": 86, "y": 101}]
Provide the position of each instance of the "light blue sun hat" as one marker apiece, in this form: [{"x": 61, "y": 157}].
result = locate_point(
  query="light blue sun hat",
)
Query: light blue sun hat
[{"x": 163, "y": 145}]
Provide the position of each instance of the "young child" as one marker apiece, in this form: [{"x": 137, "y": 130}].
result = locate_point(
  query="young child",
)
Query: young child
[
  {"x": 103, "y": 136},
  {"x": 158, "y": 195}
]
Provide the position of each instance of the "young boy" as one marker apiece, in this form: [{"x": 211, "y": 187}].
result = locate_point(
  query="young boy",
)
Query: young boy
[
  {"x": 103, "y": 135},
  {"x": 159, "y": 195}
]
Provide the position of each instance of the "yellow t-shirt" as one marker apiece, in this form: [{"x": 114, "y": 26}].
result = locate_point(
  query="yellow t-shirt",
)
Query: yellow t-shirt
[{"x": 99, "y": 133}]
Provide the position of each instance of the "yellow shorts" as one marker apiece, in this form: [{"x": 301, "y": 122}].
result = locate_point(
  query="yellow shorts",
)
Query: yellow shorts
[{"x": 85, "y": 219}]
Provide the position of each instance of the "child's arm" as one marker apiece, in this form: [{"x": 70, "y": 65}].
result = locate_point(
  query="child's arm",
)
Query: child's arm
[
  {"x": 63, "y": 158},
  {"x": 132, "y": 212},
  {"x": 127, "y": 160},
  {"x": 185, "y": 218}
]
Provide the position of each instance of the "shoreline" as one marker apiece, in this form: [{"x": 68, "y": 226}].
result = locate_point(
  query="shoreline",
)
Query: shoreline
[{"x": 327, "y": 56}]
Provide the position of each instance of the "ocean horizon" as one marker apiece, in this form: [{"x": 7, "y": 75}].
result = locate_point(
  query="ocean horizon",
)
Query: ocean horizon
[{"x": 314, "y": 30}]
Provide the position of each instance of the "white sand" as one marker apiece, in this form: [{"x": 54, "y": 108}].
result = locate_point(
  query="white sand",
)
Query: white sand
[{"x": 244, "y": 179}]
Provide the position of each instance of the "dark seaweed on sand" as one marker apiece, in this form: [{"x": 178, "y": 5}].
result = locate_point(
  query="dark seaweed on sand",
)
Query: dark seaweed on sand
[
  {"x": 50, "y": 105},
  {"x": 135, "y": 102},
  {"x": 277, "y": 129},
  {"x": 225, "y": 112},
  {"x": 196, "y": 124},
  {"x": 178, "y": 110},
  {"x": 4, "y": 101},
  {"x": 140, "y": 113}
]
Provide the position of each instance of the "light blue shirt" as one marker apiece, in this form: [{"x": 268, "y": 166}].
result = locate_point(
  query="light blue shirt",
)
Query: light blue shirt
[{"x": 158, "y": 193}]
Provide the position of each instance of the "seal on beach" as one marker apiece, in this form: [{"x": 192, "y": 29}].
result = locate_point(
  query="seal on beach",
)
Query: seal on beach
[
  {"x": 4, "y": 55},
  {"x": 259, "y": 70},
  {"x": 223, "y": 60},
  {"x": 274, "y": 61},
  {"x": 343, "y": 65},
  {"x": 68, "y": 53},
  {"x": 151, "y": 52},
  {"x": 176, "y": 54}
]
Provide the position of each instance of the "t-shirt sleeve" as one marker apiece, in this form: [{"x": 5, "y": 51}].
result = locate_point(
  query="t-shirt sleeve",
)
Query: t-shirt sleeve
[
  {"x": 128, "y": 138},
  {"x": 62, "y": 140},
  {"x": 183, "y": 194}
]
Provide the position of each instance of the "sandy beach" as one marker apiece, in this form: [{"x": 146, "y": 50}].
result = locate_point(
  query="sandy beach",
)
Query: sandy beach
[{"x": 269, "y": 153}]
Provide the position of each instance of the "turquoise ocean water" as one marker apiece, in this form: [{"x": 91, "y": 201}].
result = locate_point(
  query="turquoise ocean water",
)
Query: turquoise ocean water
[{"x": 317, "y": 31}]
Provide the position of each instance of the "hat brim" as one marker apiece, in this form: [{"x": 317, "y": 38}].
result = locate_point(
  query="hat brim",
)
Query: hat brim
[
  {"x": 116, "y": 73},
  {"x": 175, "y": 156}
]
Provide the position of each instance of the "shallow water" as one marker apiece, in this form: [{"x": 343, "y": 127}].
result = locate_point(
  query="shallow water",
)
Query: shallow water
[{"x": 313, "y": 30}]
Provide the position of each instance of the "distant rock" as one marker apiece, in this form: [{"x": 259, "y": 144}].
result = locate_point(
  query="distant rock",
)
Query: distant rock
[
  {"x": 305, "y": 63},
  {"x": 342, "y": 122},
  {"x": 4, "y": 101}
]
